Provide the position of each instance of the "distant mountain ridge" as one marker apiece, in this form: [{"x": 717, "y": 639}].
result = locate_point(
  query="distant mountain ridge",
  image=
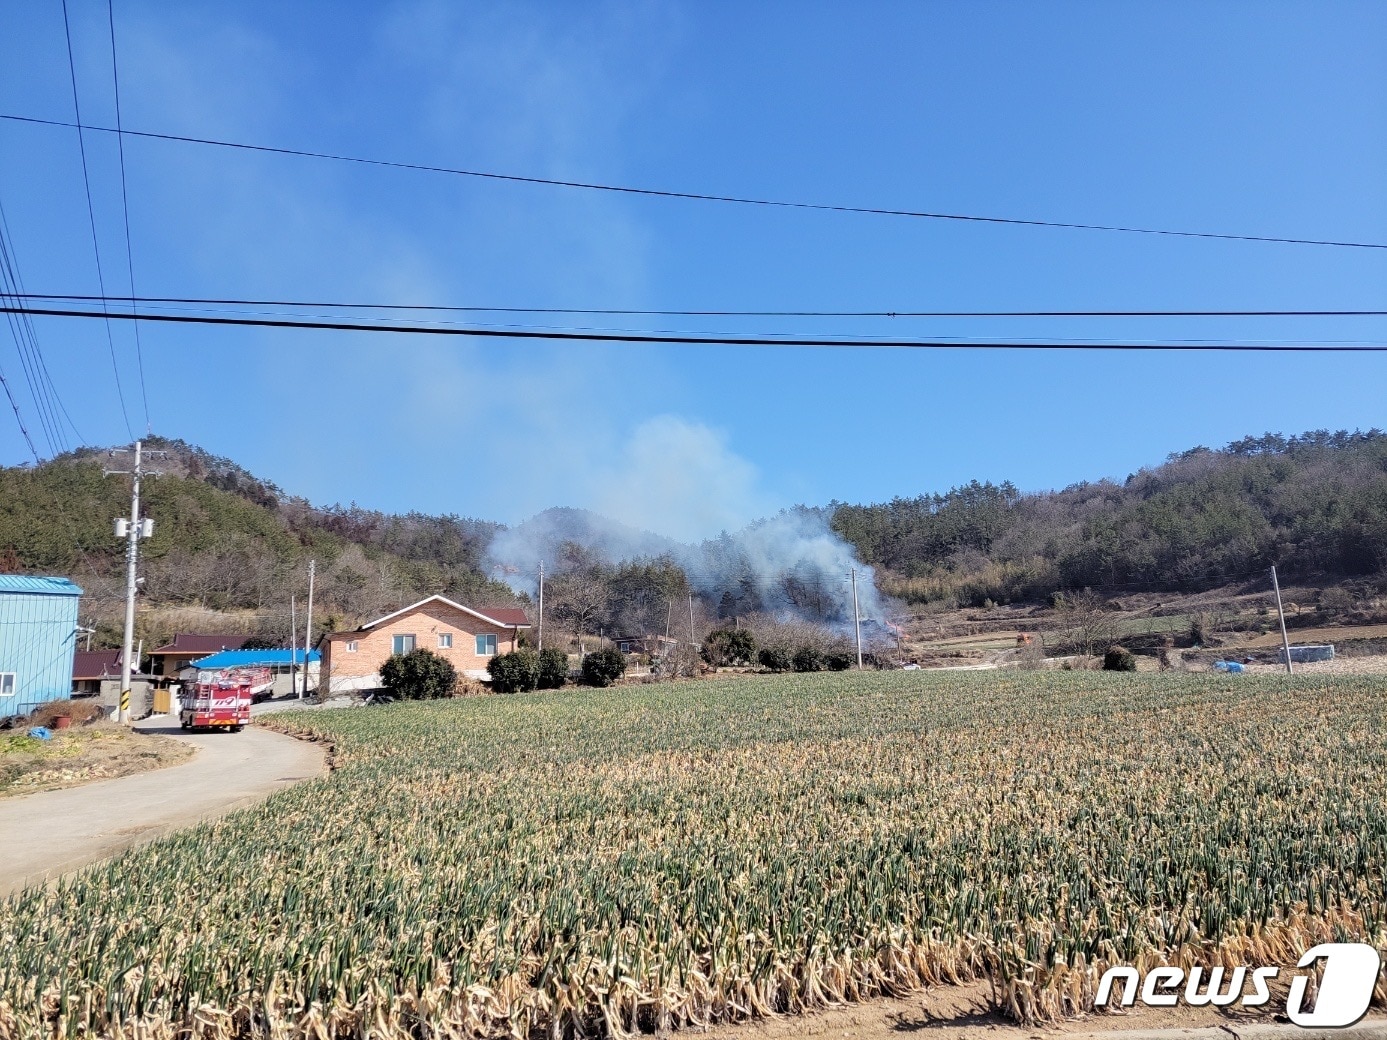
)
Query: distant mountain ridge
[{"x": 1314, "y": 504}]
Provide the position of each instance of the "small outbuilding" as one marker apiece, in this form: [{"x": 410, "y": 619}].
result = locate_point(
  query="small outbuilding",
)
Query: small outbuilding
[
  {"x": 173, "y": 657},
  {"x": 38, "y": 637},
  {"x": 280, "y": 665},
  {"x": 96, "y": 673}
]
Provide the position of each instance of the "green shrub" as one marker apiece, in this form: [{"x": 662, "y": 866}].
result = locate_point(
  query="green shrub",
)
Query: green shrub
[
  {"x": 515, "y": 672},
  {"x": 1199, "y": 629},
  {"x": 727, "y": 646},
  {"x": 776, "y": 658},
  {"x": 808, "y": 659},
  {"x": 839, "y": 660},
  {"x": 1119, "y": 659},
  {"x": 553, "y": 669},
  {"x": 418, "y": 675},
  {"x": 603, "y": 667}
]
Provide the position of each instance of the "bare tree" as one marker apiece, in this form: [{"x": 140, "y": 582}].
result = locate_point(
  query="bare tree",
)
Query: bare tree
[
  {"x": 579, "y": 599},
  {"x": 1090, "y": 626}
]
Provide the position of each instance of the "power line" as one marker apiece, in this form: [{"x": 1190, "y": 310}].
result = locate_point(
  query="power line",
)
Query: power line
[
  {"x": 14, "y": 405},
  {"x": 125, "y": 207},
  {"x": 25, "y": 359},
  {"x": 26, "y": 345},
  {"x": 91, "y": 214},
  {"x": 699, "y": 340},
  {"x": 697, "y": 196},
  {"x": 26, "y": 334},
  {"x": 615, "y": 311}
]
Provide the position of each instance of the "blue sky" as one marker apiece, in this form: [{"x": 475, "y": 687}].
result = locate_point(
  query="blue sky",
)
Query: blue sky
[{"x": 1265, "y": 119}]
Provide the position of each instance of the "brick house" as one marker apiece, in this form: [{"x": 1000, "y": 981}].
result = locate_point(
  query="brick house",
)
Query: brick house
[{"x": 467, "y": 638}]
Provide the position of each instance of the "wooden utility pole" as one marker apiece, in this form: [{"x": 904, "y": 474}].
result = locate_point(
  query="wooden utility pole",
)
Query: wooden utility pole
[
  {"x": 856, "y": 620},
  {"x": 541, "y": 605},
  {"x": 293, "y": 639},
  {"x": 308, "y": 626},
  {"x": 1285, "y": 642}
]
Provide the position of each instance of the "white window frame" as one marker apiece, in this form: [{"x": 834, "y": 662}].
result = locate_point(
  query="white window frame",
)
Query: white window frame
[
  {"x": 445, "y": 640},
  {"x": 13, "y": 678},
  {"x": 395, "y": 637},
  {"x": 486, "y": 644},
  {"x": 351, "y": 646}
]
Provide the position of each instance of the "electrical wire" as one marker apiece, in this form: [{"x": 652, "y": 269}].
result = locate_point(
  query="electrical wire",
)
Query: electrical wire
[
  {"x": 698, "y": 196},
  {"x": 26, "y": 347},
  {"x": 703, "y": 340},
  {"x": 624, "y": 312},
  {"x": 27, "y": 335},
  {"x": 125, "y": 209},
  {"x": 91, "y": 215},
  {"x": 25, "y": 361},
  {"x": 14, "y": 405}
]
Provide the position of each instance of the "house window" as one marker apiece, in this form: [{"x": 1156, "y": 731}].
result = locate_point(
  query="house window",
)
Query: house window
[
  {"x": 486, "y": 646},
  {"x": 402, "y": 644},
  {"x": 351, "y": 647},
  {"x": 7, "y": 684},
  {"x": 445, "y": 640}
]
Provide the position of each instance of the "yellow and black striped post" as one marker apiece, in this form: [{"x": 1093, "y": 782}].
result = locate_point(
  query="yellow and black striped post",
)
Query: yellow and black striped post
[{"x": 125, "y": 704}]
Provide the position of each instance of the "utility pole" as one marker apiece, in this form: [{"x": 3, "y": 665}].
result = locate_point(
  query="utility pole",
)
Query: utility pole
[
  {"x": 692, "y": 639},
  {"x": 856, "y": 621},
  {"x": 308, "y": 627},
  {"x": 1285, "y": 643},
  {"x": 132, "y": 529},
  {"x": 293, "y": 654},
  {"x": 541, "y": 606}
]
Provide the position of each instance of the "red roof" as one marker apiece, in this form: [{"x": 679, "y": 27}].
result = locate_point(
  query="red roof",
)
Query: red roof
[
  {"x": 187, "y": 643},
  {"x": 505, "y": 615},
  {"x": 95, "y": 664}
]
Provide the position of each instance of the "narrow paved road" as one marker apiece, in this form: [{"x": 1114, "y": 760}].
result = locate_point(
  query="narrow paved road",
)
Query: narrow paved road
[{"x": 52, "y": 832}]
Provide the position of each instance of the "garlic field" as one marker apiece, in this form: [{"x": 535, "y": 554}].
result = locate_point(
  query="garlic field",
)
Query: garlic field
[{"x": 641, "y": 858}]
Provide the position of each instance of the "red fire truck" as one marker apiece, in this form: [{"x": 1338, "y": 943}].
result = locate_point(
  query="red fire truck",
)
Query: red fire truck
[{"x": 221, "y": 700}]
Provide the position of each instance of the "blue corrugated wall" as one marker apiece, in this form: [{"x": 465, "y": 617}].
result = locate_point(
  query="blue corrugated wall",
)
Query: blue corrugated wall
[{"x": 38, "y": 635}]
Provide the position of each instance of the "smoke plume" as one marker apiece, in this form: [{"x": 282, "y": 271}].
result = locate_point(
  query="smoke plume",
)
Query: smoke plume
[{"x": 678, "y": 491}]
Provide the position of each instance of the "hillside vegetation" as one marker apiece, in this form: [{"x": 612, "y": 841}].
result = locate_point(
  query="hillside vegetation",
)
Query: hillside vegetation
[
  {"x": 227, "y": 541},
  {"x": 1315, "y": 505}
]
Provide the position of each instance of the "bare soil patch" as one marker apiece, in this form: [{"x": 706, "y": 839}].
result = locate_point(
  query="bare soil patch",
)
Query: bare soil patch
[
  {"x": 1324, "y": 634},
  {"x": 81, "y": 755},
  {"x": 967, "y": 1012}
]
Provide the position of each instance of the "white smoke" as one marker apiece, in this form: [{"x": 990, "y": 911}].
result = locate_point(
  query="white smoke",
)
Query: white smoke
[{"x": 676, "y": 489}]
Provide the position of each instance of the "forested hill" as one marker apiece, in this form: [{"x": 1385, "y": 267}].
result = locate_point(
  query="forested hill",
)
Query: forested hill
[
  {"x": 225, "y": 540},
  {"x": 1315, "y": 505}
]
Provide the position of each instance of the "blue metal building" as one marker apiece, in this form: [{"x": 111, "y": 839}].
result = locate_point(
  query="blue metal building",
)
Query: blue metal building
[
  {"x": 254, "y": 658},
  {"x": 38, "y": 636}
]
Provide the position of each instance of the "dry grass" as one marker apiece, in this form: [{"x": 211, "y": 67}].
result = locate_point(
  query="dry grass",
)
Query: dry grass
[
  {"x": 81, "y": 755},
  {"x": 653, "y": 857}
]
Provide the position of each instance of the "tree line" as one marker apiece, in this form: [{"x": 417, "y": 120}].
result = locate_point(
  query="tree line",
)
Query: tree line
[{"x": 1315, "y": 505}]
